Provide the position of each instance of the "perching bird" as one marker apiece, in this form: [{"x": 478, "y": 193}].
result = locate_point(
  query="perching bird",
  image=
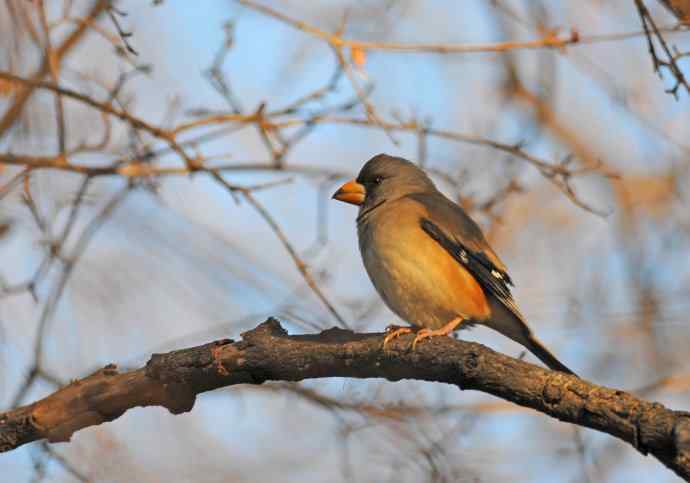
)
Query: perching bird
[{"x": 429, "y": 260}]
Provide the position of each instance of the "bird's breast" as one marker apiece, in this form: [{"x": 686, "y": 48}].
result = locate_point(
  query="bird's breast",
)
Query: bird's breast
[{"x": 415, "y": 276}]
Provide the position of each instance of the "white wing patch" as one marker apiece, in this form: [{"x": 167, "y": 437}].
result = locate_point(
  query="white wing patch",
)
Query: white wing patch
[{"x": 463, "y": 256}]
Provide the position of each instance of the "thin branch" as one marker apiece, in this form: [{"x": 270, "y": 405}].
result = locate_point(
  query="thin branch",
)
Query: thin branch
[
  {"x": 107, "y": 108},
  {"x": 124, "y": 35},
  {"x": 137, "y": 169},
  {"x": 361, "y": 92},
  {"x": 297, "y": 260},
  {"x": 337, "y": 42},
  {"x": 25, "y": 91},
  {"x": 652, "y": 31},
  {"x": 16, "y": 179},
  {"x": 59, "y": 287},
  {"x": 54, "y": 75},
  {"x": 67, "y": 465},
  {"x": 559, "y": 174}
]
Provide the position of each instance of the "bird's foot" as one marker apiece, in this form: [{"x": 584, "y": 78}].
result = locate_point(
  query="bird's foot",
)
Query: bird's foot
[
  {"x": 394, "y": 331},
  {"x": 445, "y": 330}
]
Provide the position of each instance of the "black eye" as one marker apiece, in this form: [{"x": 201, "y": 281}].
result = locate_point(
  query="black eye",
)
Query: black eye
[{"x": 378, "y": 179}]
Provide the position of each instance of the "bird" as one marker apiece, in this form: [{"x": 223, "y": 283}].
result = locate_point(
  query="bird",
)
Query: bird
[{"x": 429, "y": 261}]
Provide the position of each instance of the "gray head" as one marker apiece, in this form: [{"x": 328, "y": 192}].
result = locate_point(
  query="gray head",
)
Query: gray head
[{"x": 384, "y": 178}]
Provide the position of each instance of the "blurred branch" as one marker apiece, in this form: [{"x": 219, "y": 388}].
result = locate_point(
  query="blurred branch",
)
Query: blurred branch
[
  {"x": 107, "y": 108},
  {"x": 559, "y": 174},
  {"x": 266, "y": 353},
  {"x": 391, "y": 411},
  {"x": 66, "y": 465},
  {"x": 550, "y": 41},
  {"x": 70, "y": 261},
  {"x": 297, "y": 260},
  {"x": 679, "y": 8},
  {"x": 54, "y": 75},
  {"x": 338, "y": 42},
  {"x": 113, "y": 13},
  {"x": 23, "y": 93}
]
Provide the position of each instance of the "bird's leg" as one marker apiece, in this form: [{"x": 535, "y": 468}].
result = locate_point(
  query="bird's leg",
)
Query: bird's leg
[
  {"x": 445, "y": 330},
  {"x": 393, "y": 331}
]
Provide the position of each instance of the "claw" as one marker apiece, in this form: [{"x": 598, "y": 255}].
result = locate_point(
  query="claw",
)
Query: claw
[
  {"x": 445, "y": 330},
  {"x": 423, "y": 334},
  {"x": 394, "y": 331}
]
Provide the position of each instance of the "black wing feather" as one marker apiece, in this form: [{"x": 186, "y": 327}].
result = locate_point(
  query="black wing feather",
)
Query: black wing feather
[{"x": 490, "y": 277}]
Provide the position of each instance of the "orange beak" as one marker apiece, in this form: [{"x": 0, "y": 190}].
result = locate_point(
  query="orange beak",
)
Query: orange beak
[{"x": 351, "y": 192}]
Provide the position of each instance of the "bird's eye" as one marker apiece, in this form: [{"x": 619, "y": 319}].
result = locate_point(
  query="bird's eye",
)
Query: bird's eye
[{"x": 378, "y": 179}]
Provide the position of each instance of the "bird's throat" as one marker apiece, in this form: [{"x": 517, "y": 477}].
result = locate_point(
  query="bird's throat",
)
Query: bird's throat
[{"x": 367, "y": 211}]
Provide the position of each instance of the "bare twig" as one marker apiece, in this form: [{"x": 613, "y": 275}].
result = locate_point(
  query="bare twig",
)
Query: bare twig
[
  {"x": 54, "y": 75},
  {"x": 299, "y": 263},
  {"x": 336, "y": 41},
  {"x": 67, "y": 269},
  {"x": 24, "y": 92},
  {"x": 670, "y": 62},
  {"x": 107, "y": 108}
]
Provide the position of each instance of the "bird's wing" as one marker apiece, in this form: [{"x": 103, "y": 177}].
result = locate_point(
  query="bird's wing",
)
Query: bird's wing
[{"x": 460, "y": 236}]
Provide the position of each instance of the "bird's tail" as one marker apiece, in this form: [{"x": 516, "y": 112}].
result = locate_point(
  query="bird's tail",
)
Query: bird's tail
[
  {"x": 538, "y": 349},
  {"x": 512, "y": 324}
]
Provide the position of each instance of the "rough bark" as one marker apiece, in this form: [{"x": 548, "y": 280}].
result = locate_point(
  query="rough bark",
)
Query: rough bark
[{"x": 267, "y": 353}]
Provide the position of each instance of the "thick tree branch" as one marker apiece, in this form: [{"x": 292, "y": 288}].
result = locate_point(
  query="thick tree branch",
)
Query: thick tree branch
[{"x": 267, "y": 353}]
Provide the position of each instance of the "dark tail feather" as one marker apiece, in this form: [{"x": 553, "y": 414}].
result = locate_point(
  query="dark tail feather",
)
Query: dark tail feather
[
  {"x": 508, "y": 321},
  {"x": 544, "y": 355}
]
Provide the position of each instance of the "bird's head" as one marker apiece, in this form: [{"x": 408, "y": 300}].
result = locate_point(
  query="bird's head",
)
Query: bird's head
[{"x": 384, "y": 178}]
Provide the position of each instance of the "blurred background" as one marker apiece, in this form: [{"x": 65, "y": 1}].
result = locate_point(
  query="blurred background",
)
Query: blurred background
[{"x": 545, "y": 119}]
